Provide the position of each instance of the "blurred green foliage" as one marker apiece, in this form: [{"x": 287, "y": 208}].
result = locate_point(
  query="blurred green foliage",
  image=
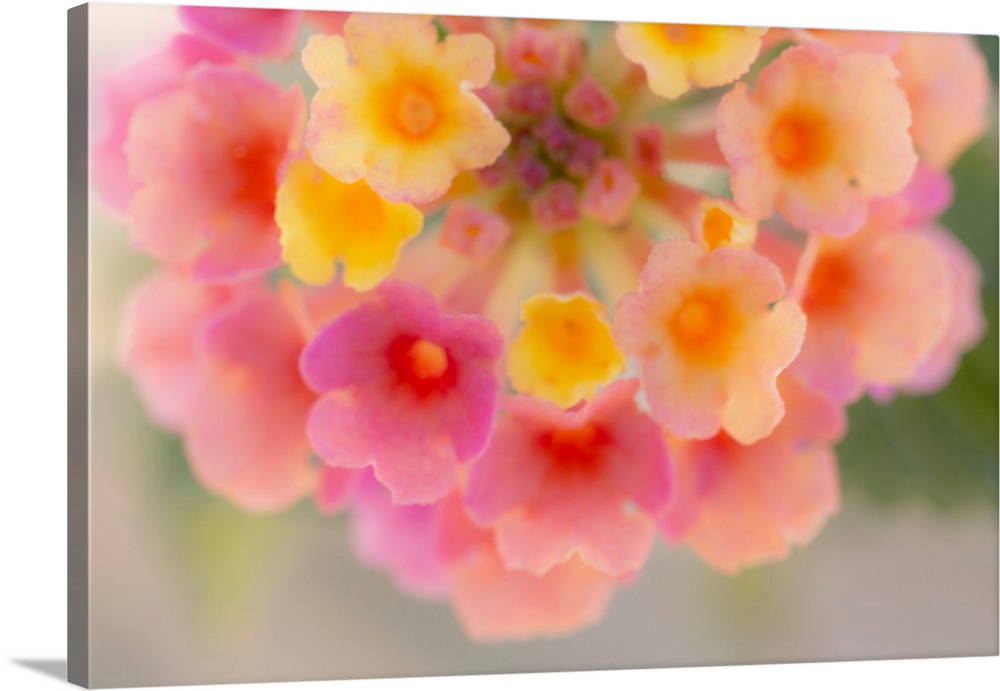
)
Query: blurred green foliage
[
  {"x": 988, "y": 44},
  {"x": 226, "y": 558}
]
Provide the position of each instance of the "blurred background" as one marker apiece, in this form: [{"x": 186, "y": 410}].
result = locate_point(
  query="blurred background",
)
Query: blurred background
[{"x": 186, "y": 589}]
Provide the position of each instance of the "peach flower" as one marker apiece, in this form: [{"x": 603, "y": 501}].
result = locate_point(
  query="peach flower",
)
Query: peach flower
[
  {"x": 948, "y": 85},
  {"x": 822, "y": 134},
  {"x": 711, "y": 332},
  {"x": 495, "y": 603},
  {"x": 738, "y": 505},
  {"x": 877, "y": 302}
]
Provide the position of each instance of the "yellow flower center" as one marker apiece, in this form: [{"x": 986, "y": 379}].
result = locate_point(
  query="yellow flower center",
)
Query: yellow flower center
[
  {"x": 705, "y": 328},
  {"x": 800, "y": 140}
]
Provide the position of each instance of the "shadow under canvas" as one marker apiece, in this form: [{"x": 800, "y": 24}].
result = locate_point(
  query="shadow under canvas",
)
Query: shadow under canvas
[{"x": 50, "y": 668}]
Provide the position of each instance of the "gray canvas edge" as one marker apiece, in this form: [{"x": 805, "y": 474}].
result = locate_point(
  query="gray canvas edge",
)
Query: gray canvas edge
[{"x": 78, "y": 353}]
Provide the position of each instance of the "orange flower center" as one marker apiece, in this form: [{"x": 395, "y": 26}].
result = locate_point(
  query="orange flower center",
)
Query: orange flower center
[
  {"x": 421, "y": 365},
  {"x": 684, "y": 34},
  {"x": 800, "y": 140},
  {"x": 415, "y": 111},
  {"x": 427, "y": 359},
  {"x": 356, "y": 206},
  {"x": 716, "y": 227},
  {"x": 829, "y": 283},
  {"x": 705, "y": 328}
]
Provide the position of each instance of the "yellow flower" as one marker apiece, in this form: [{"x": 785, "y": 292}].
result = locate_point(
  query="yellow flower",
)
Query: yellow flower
[
  {"x": 323, "y": 220},
  {"x": 395, "y": 106},
  {"x": 564, "y": 351},
  {"x": 679, "y": 56}
]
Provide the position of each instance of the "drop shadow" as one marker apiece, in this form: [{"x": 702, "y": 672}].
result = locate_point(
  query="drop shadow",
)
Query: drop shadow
[{"x": 51, "y": 668}]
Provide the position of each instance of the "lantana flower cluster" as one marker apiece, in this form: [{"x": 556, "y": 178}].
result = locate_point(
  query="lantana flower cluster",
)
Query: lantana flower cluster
[{"x": 522, "y": 297}]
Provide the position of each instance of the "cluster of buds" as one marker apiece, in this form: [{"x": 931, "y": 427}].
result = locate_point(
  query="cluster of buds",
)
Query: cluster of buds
[{"x": 520, "y": 297}]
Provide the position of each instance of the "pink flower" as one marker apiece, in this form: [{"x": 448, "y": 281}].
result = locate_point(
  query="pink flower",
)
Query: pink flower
[
  {"x": 609, "y": 192},
  {"x": 822, "y": 134},
  {"x": 334, "y": 489},
  {"x": 398, "y": 539},
  {"x": 257, "y": 32},
  {"x": 207, "y": 155},
  {"x": 711, "y": 332},
  {"x": 554, "y": 483},
  {"x": 928, "y": 195},
  {"x": 123, "y": 92},
  {"x": 590, "y": 104},
  {"x": 221, "y": 366},
  {"x": 250, "y": 30},
  {"x": 473, "y": 232},
  {"x": 877, "y": 303},
  {"x": 879, "y": 42},
  {"x": 158, "y": 347},
  {"x": 405, "y": 388},
  {"x": 537, "y": 53},
  {"x": 556, "y": 207},
  {"x": 495, "y": 603},
  {"x": 738, "y": 505}
]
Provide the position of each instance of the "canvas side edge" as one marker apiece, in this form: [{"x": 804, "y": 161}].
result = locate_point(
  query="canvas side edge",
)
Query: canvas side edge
[{"x": 78, "y": 350}]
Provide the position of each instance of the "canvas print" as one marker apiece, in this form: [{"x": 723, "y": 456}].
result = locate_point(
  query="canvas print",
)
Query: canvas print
[{"x": 428, "y": 345}]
